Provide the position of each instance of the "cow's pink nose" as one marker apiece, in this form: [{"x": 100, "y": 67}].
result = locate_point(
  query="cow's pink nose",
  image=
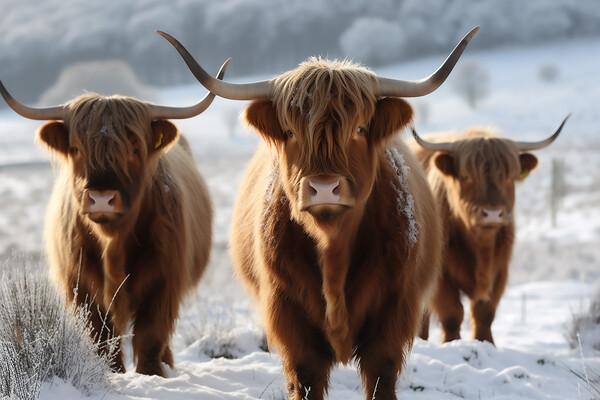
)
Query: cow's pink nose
[
  {"x": 101, "y": 202},
  {"x": 493, "y": 215},
  {"x": 325, "y": 193}
]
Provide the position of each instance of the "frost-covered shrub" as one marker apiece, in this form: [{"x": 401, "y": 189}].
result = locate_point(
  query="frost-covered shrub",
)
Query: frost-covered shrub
[
  {"x": 472, "y": 82},
  {"x": 102, "y": 77},
  {"x": 373, "y": 41},
  {"x": 40, "y": 338},
  {"x": 584, "y": 328}
]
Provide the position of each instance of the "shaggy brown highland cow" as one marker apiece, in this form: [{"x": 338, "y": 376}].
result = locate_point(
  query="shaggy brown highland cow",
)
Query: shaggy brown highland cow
[
  {"x": 473, "y": 176},
  {"x": 128, "y": 226},
  {"x": 336, "y": 233}
]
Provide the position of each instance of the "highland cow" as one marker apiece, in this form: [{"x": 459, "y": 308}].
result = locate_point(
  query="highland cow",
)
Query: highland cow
[
  {"x": 473, "y": 176},
  {"x": 335, "y": 233},
  {"x": 128, "y": 225}
]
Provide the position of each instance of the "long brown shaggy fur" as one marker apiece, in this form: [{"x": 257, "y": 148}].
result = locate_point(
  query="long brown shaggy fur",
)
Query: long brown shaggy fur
[
  {"x": 349, "y": 287},
  {"x": 479, "y": 173},
  {"x": 138, "y": 268}
]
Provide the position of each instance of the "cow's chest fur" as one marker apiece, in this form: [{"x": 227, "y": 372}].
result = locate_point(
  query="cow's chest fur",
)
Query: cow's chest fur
[
  {"x": 116, "y": 261},
  {"x": 473, "y": 262},
  {"x": 121, "y": 269},
  {"x": 370, "y": 261}
]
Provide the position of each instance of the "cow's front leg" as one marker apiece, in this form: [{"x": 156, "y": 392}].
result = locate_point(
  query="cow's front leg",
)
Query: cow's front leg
[
  {"x": 104, "y": 334},
  {"x": 447, "y": 305},
  {"x": 102, "y": 331},
  {"x": 153, "y": 326},
  {"x": 424, "y": 330},
  {"x": 115, "y": 296},
  {"x": 483, "y": 312},
  {"x": 305, "y": 352},
  {"x": 381, "y": 346}
]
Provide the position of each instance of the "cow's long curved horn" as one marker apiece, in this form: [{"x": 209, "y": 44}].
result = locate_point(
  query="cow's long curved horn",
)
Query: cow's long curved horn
[
  {"x": 246, "y": 91},
  {"x": 528, "y": 146},
  {"x": 156, "y": 112},
  {"x": 443, "y": 146},
  {"x": 164, "y": 112},
  {"x": 49, "y": 113},
  {"x": 400, "y": 88}
]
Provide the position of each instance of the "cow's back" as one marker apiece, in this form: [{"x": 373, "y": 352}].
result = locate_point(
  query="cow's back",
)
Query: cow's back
[
  {"x": 249, "y": 207},
  {"x": 196, "y": 208}
]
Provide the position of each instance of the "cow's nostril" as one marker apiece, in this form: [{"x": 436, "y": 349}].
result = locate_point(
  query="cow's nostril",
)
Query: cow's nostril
[
  {"x": 336, "y": 190},
  {"x": 485, "y": 214},
  {"x": 312, "y": 190}
]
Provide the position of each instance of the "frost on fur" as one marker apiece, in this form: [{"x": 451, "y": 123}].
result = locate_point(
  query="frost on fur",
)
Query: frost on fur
[
  {"x": 270, "y": 198},
  {"x": 404, "y": 200}
]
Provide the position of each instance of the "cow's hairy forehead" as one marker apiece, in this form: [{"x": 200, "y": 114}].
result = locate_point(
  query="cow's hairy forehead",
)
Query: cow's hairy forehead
[
  {"x": 107, "y": 128},
  {"x": 323, "y": 102},
  {"x": 491, "y": 157},
  {"x": 321, "y": 90},
  {"x": 107, "y": 117}
]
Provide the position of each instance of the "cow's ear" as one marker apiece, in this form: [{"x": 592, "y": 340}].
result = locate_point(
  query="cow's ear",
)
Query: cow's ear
[
  {"x": 445, "y": 163},
  {"x": 164, "y": 135},
  {"x": 262, "y": 116},
  {"x": 528, "y": 163},
  {"x": 391, "y": 115},
  {"x": 55, "y": 135}
]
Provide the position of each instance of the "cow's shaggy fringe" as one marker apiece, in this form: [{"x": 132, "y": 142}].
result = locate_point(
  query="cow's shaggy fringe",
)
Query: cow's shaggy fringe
[{"x": 41, "y": 339}]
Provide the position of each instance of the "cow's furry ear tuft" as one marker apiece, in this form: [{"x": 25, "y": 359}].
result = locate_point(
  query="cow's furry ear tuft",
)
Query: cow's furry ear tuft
[
  {"x": 55, "y": 135},
  {"x": 444, "y": 162},
  {"x": 165, "y": 134},
  {"x": 528, "y": 164},
  {"x": 391, "y": 115},
  {"x": 262, "y": 116}
]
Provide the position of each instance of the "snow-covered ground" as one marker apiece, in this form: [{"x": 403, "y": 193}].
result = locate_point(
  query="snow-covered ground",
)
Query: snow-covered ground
[{"x": 554, "y": 272}]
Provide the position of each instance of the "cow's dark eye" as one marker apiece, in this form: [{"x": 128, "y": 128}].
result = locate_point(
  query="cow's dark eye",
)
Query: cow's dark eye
[
  {"x": 73, "y": 150},
  {"x": 136, "y": 152},
  {"x": 289, "y": 133},
  {"x": 361, "y": 130}
]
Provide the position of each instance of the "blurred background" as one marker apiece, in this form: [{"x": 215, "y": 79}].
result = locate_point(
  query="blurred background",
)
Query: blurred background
[{"x": 39, "y": 40}]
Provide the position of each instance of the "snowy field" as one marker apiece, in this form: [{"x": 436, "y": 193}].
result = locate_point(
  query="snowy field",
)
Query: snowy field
[{"x": 555, "y": 268}]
